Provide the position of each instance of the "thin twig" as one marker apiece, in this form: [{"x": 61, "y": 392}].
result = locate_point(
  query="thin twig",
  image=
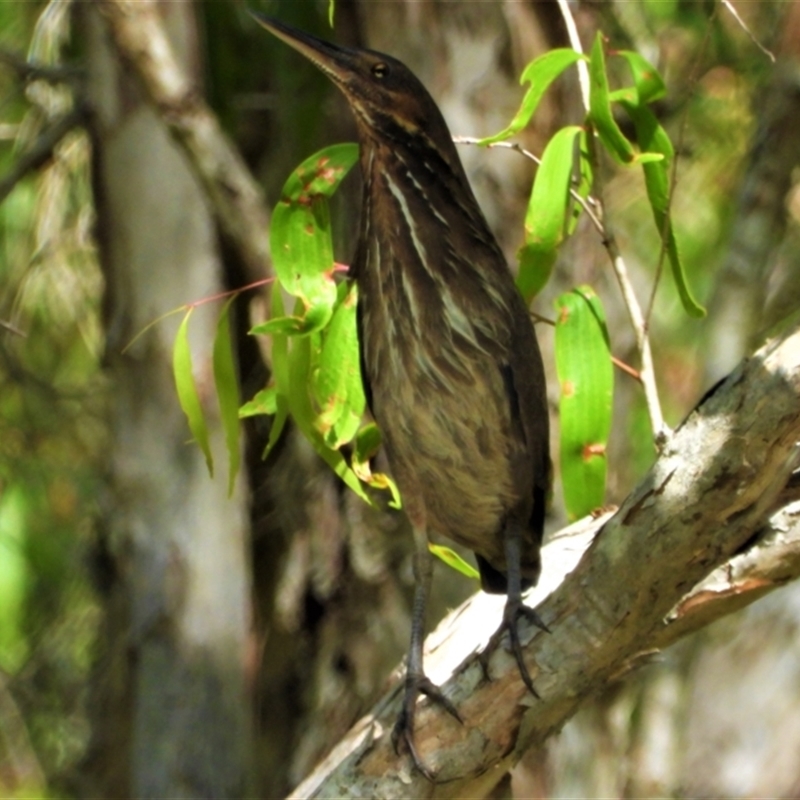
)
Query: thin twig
[
  {"x": 626, "y": 368},
  {"x": 544, "y": 320},
  {"x": 735, "y": 13},
  {"x": 11, "y": 328},
  {"x": 29, "y": 71},
  {"x": 646, "y": 373},
  {"x": 42, "y": 149},
  {"x": 575, "y": 42}
]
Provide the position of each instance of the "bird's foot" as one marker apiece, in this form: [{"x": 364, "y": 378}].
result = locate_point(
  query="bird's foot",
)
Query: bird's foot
[
  {"x": 403, "y": 732},
  {"x": 514, "y": 609}
]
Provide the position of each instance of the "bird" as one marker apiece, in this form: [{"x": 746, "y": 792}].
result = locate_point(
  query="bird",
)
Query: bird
[{"x": 451, "y": 366}]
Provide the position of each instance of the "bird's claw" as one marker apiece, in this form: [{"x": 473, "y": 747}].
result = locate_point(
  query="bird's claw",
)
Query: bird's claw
[
  {"x": 403, "y": 731},
  {"x": 514, "y": 609}
]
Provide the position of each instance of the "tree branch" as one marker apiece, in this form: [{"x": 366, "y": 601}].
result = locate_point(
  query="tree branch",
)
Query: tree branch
[
  {"x": 30, "y": 71},
  {"x": 699, "y": 537},
  {"x": 41, "y": 151},
  {"x": 236, "y": 198}
]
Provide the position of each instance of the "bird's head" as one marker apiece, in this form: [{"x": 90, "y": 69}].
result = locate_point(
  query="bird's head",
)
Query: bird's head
[{"x": 383, "y": 93}]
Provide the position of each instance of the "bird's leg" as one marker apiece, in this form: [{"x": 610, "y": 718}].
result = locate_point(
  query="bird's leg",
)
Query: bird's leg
[
  {"x": 417, "y": 682},
  {"x": 514, "y": 608}
]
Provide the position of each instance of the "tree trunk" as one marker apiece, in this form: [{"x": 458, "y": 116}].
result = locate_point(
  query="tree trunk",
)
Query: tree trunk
[{"x": 171, "y": 707}]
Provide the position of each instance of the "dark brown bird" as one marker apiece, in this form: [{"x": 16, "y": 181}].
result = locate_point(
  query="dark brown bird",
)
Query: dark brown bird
[{"x": 449, "y": 356}]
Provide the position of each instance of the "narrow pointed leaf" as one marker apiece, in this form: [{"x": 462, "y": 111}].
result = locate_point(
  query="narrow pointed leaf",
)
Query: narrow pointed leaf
[
  {"x": 584, "y": 183},
  {"x": 280, "y": 347},
  {"x": 264, "y": 402},
  {"x": 649, "y": 84},
  {"x": 600, "y": 111},
  {"x": 227, "y": 392},
  {"x": 453, "y": 560},
  {"x": 188, "y": 397},
  {"x": 583, "y": 363},
  {"x": 278, "y": 424},
  {"x": 548, "y": 213},
  {"x": 280, "y": 374},
  {"x": 286, "y": 326},
  {"x": 367, "y": 443},
  {"x": 653, "y": 137},
  {"x": 601, "y": 114},
  {"x": 540, "y": 73},
  {"x": 303, "y": 414}
]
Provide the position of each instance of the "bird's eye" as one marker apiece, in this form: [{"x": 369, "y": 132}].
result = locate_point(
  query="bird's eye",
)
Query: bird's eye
[{"x": 380, "y": 70}]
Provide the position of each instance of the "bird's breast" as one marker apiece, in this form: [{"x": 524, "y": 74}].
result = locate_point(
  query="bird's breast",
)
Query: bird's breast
[
  {"x": 446, "y": 421},
  {"x": 436, "y": 327}
]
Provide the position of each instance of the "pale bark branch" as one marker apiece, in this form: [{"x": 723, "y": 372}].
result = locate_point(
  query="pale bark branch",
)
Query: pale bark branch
[
  {"x": 31, "y": 71},
  {"x": 236, "y": 198},
  {"x": 699, "y": 537}
]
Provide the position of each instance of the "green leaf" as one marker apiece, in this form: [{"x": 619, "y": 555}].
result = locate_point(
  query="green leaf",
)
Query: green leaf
[
  {"x": 585, "y": 375},
  {"x": 654, "y": 138},
  {"x": 187, "y": 391},
  {"x": 600, "y": 112},
  {"x": 540, "y": 73},
  {"x": 454, "y": 560},
  {"x": 280, "y": 347},
  {"x": 278, "y": 424},
  {"x": 331, "y": 5},
  {"x": 649, "y": 84},
  {"x": 227, "y": 392},
  {"x": 264, "y": 402},
  {"x": 584, "y": 183},
  {"x": 280, "y": 374},
  {"x": 287, "y": 326},
  {"x": 303, "y": 414},
  {"x": 367, "y": 443},
  {"x": 547, "y": 217},
  {"x": 300, "y": 238},
  {"x": 338, "y": 387}
]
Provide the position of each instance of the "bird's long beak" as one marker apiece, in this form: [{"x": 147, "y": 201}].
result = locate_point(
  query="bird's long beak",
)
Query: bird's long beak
[{"x": 336, "y": 62}]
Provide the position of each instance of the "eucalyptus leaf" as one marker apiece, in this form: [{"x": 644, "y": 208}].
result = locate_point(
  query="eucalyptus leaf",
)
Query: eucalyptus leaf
[
  {"x": 540, "y": 73},
  {"x": 453, "y": 560},
  {"x": 264, "y": 402},
  {"x": 227, "y": 387},
  {"x": 338, "y": 388},
  {"x": 649, "y": 84},
  {"x": 585, "y": 375},
  {"x": 300, "y": 236},
  {"x": 547, "y": 218},
  {"x": 600, "y": 112},
  {"x": 188, "y": 397},
  {"x": 651, "y": 136}
]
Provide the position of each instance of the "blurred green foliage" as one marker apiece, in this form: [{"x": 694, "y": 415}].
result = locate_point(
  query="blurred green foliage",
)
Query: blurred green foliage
[{"x": 52, "y": 430}]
